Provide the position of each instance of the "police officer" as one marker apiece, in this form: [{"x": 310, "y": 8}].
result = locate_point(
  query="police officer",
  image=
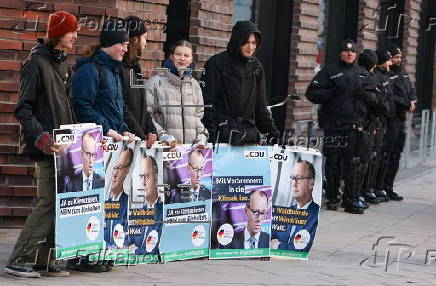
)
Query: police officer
[
  {"x": 375, "y": 125},
  {"x": 342, "y": 114},
  {"x": 405, "y": 94},
  {"x": 395, "y": 135}
]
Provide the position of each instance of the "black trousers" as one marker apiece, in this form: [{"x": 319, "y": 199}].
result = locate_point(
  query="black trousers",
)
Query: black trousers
[{"x": 343, "y": 149}]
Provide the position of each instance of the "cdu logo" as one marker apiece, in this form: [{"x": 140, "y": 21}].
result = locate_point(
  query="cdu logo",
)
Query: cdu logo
[
  {"x": 64, "y": 139},
  {"x": 254, "y": 154},
  {"x": 279, "y": 157},
  {"x": 112, "y": 147},
  {"x": 168, "y": 156}
]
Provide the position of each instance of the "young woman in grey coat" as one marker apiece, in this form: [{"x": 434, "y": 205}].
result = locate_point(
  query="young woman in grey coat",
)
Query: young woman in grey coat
[{"x": 175, "y": 100}]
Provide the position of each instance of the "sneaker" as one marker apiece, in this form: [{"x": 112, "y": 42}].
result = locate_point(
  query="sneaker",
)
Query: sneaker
[
  {"x": 22, "y": 271},
  {"x": 51, "y": 271}
]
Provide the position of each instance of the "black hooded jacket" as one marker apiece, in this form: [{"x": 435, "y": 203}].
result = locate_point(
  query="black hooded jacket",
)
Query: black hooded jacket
[
  {"x": 235, "y": 87},
  {"x": 43, "y": 104},
  {"x": 135, "y": 113}
]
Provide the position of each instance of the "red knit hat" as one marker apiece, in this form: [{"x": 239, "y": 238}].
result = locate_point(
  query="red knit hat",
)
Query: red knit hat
[{"x": 61, "y": 23}]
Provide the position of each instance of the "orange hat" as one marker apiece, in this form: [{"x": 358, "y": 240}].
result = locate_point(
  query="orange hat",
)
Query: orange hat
[{"x": 61, "y": 23}]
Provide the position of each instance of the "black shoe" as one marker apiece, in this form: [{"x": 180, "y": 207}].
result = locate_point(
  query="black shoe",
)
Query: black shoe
[
  {"x": 354, "y": 207},
  {"x": 332, "y": 205},
  {"x": 51, "y": 271},
  {"x": 84, "y": 266},
  {"x": 363, "y": 202},
  {"x": 381, "y": 195},
  {"x": 371, "y": 198},
  {"x": 394, "y": 196},
  {"x": 22, "y": 271}
]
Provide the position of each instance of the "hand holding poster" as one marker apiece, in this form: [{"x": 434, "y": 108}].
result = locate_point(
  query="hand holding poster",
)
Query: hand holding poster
[
  {"x": 241, "y": 206},
  {"x": 297, "y": 181}
]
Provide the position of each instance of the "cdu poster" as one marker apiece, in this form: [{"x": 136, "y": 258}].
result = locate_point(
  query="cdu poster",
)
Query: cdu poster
[
  {"x": 187, "y": 209},
  {"x": 296, "y": 176},
  {"x": 241, "y": 208},
  {"x": 80, "y": 180},
  {"x": 146, "y": 206}
]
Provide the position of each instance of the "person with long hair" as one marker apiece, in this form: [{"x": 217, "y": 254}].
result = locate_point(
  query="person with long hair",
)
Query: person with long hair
[
  {"x": 175, "y": 100},
  {"x": 137, "y": 117}
]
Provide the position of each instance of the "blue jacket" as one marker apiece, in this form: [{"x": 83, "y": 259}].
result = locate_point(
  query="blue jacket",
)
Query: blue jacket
[{"x": 99, "y": 98}]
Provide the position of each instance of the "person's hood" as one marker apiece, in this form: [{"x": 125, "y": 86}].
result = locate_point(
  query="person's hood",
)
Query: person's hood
[
  {"x": 240, "y": 32},
  {"x": 100, "y": 57}
]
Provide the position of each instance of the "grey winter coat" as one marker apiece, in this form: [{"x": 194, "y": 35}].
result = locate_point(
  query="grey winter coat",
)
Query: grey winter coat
[{"x": 166, "y": 93}]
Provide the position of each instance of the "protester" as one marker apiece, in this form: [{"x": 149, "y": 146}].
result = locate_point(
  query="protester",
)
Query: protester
[
  {"x": 98, "y": 97},
  {"x": 175, "y": 100},
  {"x": 42, "y": 107},
  {"x": 137, "y": 117},
  {"x": 97, "y": 89},
  {"x": 235, "y": 88}
]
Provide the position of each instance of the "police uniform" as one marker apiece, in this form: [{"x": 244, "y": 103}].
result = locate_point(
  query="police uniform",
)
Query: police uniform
[{"x": 338, "y": 90}]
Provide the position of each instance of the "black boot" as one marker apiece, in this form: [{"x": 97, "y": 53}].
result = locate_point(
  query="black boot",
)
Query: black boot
[
  {"x": 393, "y": 195},
  {"x": 332, "y": 204},
  {"x": 381, "y": 196},
  {"x": 370, "y": 197},
  {"x": 353, "y": 206}
]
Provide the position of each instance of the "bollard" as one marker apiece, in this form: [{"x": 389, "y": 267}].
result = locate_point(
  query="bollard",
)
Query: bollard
[
  {"x": 423, "y": 142},
  {"x": 433, "y": 134},
  {"x": 405, "y": 158}
]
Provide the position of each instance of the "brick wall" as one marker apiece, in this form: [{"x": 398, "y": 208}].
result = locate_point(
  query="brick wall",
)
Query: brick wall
[
  {"x": 410, "y": 35},
  {"x": 210, "y": 28},
  {"x": 367, "y": 24},
  {"x": 302, "y": 59},
  {"x": 21, "y": 22}
]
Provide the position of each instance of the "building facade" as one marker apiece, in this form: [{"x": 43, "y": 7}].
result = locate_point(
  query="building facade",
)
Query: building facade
[{"x": 299, "y": 37}]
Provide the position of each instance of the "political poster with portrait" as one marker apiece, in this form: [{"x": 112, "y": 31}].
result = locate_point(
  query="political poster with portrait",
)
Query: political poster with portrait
[
  {"x": 80, "y": 179},
  {"x": 241, "y": 205},
  {"x": 146, "y": 206},
  {"x": 119, "y": 158},
  {"x": 187, "y": 209},
  {"x": 296, "y": 177}
]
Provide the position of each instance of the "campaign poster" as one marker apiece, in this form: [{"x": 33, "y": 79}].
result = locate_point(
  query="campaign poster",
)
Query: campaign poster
[
  {"x": 80, "y": 180},
  {"x": 241, "y": 205},
  {"x": 296, "y": 177},
  {"x": 146, "y": 207},
  {"x": 187, "y": 209}
]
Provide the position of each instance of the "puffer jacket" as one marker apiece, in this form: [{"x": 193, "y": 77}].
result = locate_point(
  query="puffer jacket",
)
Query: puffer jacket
[
  {"x": 98, "y": 98},
  {"x": 166, "y": 93}
]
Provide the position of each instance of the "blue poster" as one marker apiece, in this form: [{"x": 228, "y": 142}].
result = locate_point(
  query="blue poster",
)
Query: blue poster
[{"x": 241, "y": 207}]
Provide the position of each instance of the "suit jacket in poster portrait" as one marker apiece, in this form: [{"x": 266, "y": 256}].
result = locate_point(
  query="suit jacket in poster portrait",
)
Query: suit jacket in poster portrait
[
  {"x": 288, "y": 237},
  {"x": 140, "y": 240},
  {"x": 75, "y": 182},
  {"x": 239, "y": 240},
  {"x": 122, "y": 220},
  {"x": 176, "y": 196}
]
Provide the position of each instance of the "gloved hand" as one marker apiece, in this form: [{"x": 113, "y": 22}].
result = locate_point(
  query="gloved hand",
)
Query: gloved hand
[
  {"x": 201, "y": 141},
  {"x": 46, "y": 144},
  {"x": 169, "y": 140}
]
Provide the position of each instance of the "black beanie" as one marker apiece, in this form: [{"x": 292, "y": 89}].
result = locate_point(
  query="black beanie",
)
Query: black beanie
[
  {"x": 135, "y": 26},
  {"x": 367, "y": 59},
  {"x": 383, "y": 56},
  {"x": 348, "y": 45},
  {"x": 394, "y": 50},
  {"x": 113, "y": 32}
]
